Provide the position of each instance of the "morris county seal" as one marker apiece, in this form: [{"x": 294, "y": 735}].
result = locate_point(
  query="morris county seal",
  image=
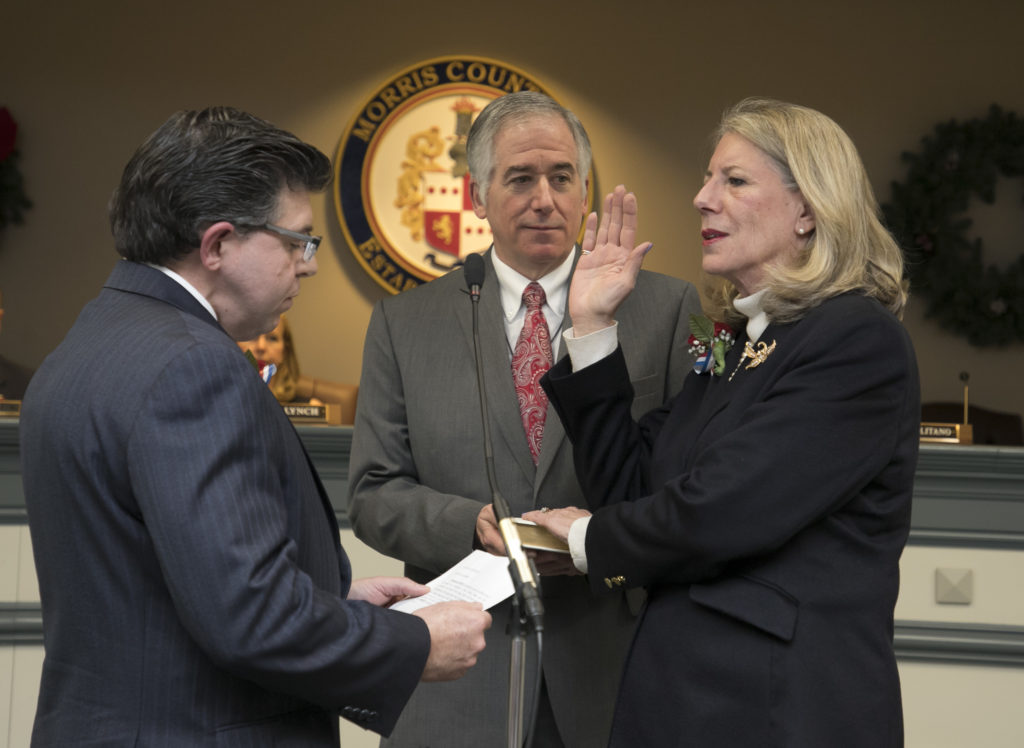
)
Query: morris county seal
[{"x": 401, "y": 176}]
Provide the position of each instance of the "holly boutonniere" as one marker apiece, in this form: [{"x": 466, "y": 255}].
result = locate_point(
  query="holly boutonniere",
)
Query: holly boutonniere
[{"x": 708, "y": 342}]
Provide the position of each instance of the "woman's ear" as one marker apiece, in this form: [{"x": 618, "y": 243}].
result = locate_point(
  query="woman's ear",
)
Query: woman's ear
[{"x": 805, "y": 223}]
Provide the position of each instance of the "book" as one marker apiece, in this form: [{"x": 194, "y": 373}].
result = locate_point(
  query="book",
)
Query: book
[{"x": 532, "y": 535}]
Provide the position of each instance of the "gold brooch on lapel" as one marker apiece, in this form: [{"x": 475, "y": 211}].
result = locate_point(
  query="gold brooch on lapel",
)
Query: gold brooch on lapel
[{"x": 757, "y": 356}]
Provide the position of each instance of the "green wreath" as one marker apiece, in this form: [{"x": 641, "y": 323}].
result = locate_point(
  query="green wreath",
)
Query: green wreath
[{"x": 926, "y": 215}]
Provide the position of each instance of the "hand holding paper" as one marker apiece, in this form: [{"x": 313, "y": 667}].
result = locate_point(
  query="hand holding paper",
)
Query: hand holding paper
[
  {"x": 480, "y": 577},
  {"x": 384, "y": 591}
]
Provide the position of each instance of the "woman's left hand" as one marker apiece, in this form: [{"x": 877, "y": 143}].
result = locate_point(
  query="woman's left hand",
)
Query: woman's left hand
[{"x": 557, "y": 521}]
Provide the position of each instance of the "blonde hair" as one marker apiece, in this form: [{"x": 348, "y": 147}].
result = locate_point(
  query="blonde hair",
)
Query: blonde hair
[{"x": 849, "y": 249}]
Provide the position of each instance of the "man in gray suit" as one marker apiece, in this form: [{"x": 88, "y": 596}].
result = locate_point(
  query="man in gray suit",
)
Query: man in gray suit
[
  {"x": 418, "y": 485},
  {"x": 194, "y": 590}
]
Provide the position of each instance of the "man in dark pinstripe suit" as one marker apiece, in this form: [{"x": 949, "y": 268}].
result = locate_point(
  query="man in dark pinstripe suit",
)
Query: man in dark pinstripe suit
[{"x": 193, "y": 586}]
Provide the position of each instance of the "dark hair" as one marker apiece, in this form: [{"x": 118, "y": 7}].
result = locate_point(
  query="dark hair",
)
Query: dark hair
[{"x": 205, "y": 166}]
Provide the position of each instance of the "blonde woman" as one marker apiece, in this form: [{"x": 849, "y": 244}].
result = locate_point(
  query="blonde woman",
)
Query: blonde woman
[{"x": 764, "y": 508}]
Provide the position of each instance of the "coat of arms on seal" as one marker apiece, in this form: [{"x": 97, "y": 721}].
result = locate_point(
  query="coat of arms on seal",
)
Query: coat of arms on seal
[{"x": 401, "y": 182}]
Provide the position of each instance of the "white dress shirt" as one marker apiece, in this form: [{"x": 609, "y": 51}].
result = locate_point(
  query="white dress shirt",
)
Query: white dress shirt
[
  {"x": 186, "y": 285},
  {"x": 511, "y": 286}
]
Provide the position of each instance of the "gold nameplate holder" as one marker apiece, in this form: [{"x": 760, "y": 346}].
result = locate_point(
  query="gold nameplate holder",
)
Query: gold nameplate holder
[
  {"x": 950, "y": 433},
  {"x": 947, "y": 433},
  {"x": 326, "y": 415}
]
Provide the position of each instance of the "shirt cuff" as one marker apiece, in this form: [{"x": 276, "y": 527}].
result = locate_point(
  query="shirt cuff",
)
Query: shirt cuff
[
  {"x": 591, "y": 348},
  {"x": 578, "y": 543}
]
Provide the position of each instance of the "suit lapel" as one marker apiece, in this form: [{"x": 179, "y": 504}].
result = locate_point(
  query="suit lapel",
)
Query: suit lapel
[
  {"x": 501, "y": 393},
  {"x": 723, "y": 392},
  {"x": 505, "y": 421},
  {"x": 554, "y": 432}
]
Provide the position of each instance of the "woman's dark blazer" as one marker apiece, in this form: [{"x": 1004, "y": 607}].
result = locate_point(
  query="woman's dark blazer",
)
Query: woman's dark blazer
[{"x": 765, "y": 511}]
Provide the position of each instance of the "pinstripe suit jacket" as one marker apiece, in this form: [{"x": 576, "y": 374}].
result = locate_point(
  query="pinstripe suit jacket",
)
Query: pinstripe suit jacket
[
  {"x": 189, "y": 564},
  {"x": 417, "y": 482}
]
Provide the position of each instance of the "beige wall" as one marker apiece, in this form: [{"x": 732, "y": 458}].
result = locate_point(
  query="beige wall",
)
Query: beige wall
[{"x": 88, "y": 81}]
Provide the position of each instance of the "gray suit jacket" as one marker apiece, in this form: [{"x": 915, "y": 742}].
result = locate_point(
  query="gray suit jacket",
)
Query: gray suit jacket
[
  {"x": 190, "y": 570},
  {"x": 417, "y": 480}
]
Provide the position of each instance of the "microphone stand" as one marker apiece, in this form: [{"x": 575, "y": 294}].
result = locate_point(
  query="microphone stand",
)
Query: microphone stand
[{"x": 527, "y": 608}]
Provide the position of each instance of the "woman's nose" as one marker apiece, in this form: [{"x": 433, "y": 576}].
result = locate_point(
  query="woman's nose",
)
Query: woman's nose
[{"x": 702, "y": 201}]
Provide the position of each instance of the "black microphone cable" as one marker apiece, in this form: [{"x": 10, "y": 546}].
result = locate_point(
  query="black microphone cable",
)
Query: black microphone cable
[{"x": 524, "y": 575}]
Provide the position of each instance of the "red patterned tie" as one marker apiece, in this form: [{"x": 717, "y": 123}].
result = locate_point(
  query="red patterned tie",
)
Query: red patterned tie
[{"x": 531, "y": 358}]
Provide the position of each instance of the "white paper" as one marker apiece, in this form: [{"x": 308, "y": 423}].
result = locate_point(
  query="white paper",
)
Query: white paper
[{"x": 480, "y": 577}]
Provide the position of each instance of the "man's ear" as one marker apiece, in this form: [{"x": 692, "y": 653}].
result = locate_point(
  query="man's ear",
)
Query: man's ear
[
  {"x": 474, "y": 195},
  {"x": 211, "y": 244}
]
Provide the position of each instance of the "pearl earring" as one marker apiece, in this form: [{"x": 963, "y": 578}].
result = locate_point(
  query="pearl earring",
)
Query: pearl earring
[{"x": 800, "y": 231}]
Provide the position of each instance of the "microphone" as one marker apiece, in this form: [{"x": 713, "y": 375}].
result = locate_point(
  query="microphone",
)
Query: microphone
[
  {"x": 524, "y": 575},
  {"x": 473, "y": 269}
]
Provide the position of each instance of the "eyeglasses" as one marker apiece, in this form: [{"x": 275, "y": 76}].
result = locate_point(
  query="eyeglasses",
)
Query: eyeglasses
[{"x": 309, "y": 244}]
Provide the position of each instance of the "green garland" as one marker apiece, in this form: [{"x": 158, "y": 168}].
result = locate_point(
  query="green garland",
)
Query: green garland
[{"x": 926, "y": 215}]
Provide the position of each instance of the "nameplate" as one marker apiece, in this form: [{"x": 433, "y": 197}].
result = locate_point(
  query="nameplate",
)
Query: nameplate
[
  {"x": 329, "y": 415},
  {"x": 10, "y": 408},
  {"x": 947, "y": 433}
]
